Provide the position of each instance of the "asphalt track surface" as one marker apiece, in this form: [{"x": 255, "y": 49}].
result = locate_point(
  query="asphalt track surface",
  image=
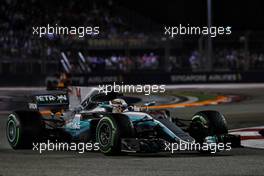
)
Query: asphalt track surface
[{"x": 237, "y": 162}]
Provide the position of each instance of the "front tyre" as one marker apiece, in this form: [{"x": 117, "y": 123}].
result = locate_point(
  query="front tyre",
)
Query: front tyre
[
  {"x": 208, "y": 125},
  {"x": 110, "y": 130}
]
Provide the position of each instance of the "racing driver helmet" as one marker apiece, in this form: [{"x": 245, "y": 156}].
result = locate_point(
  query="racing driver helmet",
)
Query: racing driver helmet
[{"x": 119, "y": 105}]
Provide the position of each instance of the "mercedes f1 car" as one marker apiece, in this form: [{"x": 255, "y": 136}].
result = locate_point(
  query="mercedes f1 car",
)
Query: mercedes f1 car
[{"x": 109, "y": 121}]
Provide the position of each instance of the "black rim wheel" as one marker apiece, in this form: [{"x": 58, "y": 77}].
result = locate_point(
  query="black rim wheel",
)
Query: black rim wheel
[
  {"x": 11, "y": 130},
  {"x": 105, "y": 134}
]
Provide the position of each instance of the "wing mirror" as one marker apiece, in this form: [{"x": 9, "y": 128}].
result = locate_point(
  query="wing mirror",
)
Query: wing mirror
[{"x": 152, "y": 103}]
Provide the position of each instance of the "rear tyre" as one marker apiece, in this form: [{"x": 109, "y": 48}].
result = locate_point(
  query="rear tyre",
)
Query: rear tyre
[
  {"x": 23, "y": 128},
  {"x": 109, "y": 132}
]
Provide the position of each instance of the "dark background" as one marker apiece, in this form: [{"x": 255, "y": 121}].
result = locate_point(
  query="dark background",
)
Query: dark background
[
  {"x": 239, "y": 14},
  {"x": 131, "y": 40}
]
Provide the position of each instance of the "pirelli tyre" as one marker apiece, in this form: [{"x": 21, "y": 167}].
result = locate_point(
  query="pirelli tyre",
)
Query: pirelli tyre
[
  {"x": 109, "y": 132},
  {"x": 23, "y": 128},
  {"x": 207, "y": 123}
]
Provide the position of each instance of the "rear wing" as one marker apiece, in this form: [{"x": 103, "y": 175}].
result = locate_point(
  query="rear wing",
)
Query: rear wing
[{"x": 49, "y": 100}]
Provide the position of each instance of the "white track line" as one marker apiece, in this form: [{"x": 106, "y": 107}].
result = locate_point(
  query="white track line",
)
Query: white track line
[
  {"x": 190, "y": 99},
  {"x": 240, "y": 129},
  {"x": 259, "y": 144},
  {"x": 22, "y": 88},
  {"x": 217, "y": 86},
  {"x": 182, "y": 86},
  {"x": 247, "y": 133}
]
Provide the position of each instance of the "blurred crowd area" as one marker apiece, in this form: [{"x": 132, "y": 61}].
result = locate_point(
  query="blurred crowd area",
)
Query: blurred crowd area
[
  {"x": 224, "y": 60},
  {"x": 118, "y": 31},
  {"x": 121, "y": 63},
  {"x": 17, "y": 17}
]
